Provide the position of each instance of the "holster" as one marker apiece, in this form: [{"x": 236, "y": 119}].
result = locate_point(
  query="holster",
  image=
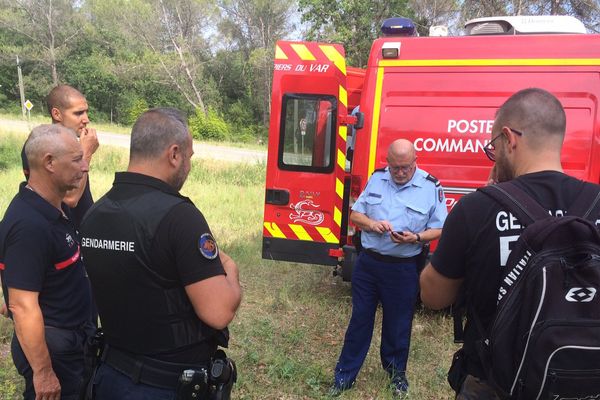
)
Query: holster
[
  {"x": 457, "y": 372},
  {"x": 92, "y": 354},
  {"x": 214, "y": 384}
]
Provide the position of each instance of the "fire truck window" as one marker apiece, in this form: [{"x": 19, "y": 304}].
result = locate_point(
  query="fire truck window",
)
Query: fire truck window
[{"x": 308, "y": 132}]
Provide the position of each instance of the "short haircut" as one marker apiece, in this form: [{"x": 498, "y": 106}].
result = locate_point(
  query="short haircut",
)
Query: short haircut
[
  {"x": 537, "y": 112},
  {"x": 156, "y": 130},
  {"x": 59, "y": 97},
  {"x": 44, "y": 139}
]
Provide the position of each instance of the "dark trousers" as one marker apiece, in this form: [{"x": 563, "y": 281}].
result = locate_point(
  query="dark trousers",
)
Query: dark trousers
[
  {"x": 66, "y": 352},
  {"x": 395, "y": 286},
  {"x": 110, "y": 384}
]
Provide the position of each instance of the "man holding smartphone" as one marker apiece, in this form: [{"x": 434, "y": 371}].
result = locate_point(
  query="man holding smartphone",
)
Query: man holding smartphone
[{"x": 401, "y": 208}]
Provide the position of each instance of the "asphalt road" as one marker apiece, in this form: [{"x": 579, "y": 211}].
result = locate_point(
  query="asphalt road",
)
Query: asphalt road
[{"x": 202, "y": 150}]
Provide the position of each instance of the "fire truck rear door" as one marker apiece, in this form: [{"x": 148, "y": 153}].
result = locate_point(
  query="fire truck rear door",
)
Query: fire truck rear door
[{"x": 307, "y": 153}]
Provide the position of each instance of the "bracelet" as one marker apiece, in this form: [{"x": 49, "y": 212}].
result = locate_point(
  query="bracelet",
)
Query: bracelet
[{"x": 418, "y": 238}]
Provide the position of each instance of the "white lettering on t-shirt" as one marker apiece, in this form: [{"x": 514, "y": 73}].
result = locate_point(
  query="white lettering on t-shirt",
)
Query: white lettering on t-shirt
[
  {"x": 104, "y": 244},
  {"x": 505, "y": 250},
  {"x": 506, "y": 221}
]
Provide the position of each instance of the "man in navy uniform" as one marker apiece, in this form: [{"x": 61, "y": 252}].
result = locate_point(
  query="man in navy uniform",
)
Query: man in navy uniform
[
  {"x": 401, "y": 208},
  {"x": 164, "y": 289},
  {"x": 43, "y": 278},
  {"x": 69, "y": 108}
]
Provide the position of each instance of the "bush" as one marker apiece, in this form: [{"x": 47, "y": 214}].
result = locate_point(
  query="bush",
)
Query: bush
[
  {"x": 134, "y": 109},
  {"x": 211, "y": 127}
]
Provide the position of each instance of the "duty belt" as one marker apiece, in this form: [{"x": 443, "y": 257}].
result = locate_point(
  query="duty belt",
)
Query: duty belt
[
  {"x": 390, "y": 259},
  {"x": 146, "y": 370}
]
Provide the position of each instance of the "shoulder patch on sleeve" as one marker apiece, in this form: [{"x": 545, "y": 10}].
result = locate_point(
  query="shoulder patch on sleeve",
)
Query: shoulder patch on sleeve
[
  {"x": 208, "y": 246},
  {"x": 433, "y": 179},
  {"x": 379, "y": 170}
]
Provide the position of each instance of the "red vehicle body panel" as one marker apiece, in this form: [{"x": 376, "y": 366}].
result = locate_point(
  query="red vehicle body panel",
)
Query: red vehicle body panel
[{"x": 442, "y": 94}]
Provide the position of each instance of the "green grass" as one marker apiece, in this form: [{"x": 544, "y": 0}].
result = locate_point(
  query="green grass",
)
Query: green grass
[
  {"x": 290, "y": 327},
  {"x": 28, "y": 123}
]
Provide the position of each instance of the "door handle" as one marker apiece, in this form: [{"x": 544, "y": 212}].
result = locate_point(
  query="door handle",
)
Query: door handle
[{"x": 277, "y": 197}]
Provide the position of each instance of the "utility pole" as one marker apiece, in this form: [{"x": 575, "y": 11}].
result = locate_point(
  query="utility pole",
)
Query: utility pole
[{"x": 21, "y": 88}]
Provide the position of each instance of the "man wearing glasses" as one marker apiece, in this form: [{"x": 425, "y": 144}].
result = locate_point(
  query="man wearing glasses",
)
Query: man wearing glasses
[
  {"x": 525, "y": 145},
  {"x": 401, "y": 208}
]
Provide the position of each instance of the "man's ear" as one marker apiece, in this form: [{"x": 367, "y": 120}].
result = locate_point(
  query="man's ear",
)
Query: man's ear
[
  {"x": 47, "y": 162},
  {"x": 511, "y": 137},
  {"x": 56, "y": 114},
  {"x": 174, "y": 154}
]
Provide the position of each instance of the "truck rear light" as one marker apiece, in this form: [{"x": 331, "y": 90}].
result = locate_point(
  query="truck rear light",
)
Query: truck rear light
[
  {"x": 390, "y": 50},
  {"x": 355, "y": 189}
]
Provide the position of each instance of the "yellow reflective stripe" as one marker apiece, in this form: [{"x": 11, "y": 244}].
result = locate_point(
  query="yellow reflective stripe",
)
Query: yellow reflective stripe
[
  {"x": 303, "y": 52},
  {"x": 328, "y": 235},
  {"x": 343, "y": 96},
  {"x": 339, "y": 188},
  {"x": 300, "y": 232},
  {"x": 335, "y": 56},
  {"x": 343, "y": 131},
  {"x": 500, "y": 62},
  {"x": 375, "y": 122},
  {"x": 341, "y": 159},
  {"x": 274, "y": 230},
  {"x": 279, "y": 54},
  {"x": 337, "y": 216}
]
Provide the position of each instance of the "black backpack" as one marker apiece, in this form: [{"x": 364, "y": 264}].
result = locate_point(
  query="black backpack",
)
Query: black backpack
[{"x": 544, "y": 342}]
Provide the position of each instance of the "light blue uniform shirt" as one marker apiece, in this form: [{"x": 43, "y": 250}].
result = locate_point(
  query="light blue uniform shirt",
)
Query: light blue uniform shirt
[{"x": 415, "y": 206}]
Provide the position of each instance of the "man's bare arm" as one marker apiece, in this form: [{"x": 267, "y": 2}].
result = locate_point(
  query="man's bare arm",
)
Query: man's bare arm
[
  {"x": 216, "y": 299},
  {"x": 29, "y": 327},
  {"x": 437, "y": 291},
  {"x": 367, "y": 224}
]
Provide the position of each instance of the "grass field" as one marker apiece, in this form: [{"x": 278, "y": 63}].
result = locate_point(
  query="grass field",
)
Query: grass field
[{"x": 289, "y": 330}]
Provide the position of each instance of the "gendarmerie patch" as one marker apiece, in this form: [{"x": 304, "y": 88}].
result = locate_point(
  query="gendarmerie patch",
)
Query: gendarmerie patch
[{"x": 208, "y": 246}]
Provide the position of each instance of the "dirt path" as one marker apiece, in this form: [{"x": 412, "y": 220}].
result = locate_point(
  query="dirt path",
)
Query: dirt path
[{"x": 201, "y": 149}]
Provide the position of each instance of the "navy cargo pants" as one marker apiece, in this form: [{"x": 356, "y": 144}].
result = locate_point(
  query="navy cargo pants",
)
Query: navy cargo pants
[{"x": 395, "y": 286}]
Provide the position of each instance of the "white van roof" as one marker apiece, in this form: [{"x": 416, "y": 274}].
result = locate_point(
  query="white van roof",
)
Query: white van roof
[{"x": 524, "y": 24}]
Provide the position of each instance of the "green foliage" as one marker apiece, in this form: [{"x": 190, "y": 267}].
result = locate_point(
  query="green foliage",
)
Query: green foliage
[
  {"x": 8, "y": 156},
  {"x": 354, "y": 23},
  {"x": 136, "y": 107},
  {"x": 208, "y": 127}
]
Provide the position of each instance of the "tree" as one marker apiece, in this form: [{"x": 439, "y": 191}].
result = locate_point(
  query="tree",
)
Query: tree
[
  {"x": 434, "y": 12},
  {"x": 253, "y": 27},
  {"x": 49, "y": 26},
  {"x": 174, "y": 32},
  {"x": 354, "y": 23}
]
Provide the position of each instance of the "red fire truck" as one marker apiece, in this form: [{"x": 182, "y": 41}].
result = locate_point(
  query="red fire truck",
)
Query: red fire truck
[{"x": 439, "y": 92}]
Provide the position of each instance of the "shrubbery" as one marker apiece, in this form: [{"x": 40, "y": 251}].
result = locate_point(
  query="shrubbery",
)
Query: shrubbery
[{"x": 210, "y": 127}]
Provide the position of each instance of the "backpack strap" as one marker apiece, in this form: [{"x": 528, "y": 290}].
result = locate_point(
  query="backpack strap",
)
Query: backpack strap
[
  {"x": 519, "y": 203},
  {"x": 587, "y": 204}
]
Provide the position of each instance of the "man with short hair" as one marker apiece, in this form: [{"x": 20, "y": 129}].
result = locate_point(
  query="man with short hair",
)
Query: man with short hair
[
  {"x": 43, "y": 278},
  {"x": 165, "y": 291},
  {"x": 69, "y": 108},
  {"x": 526, "y": 143},
  {"x": 401, "y": 208}
]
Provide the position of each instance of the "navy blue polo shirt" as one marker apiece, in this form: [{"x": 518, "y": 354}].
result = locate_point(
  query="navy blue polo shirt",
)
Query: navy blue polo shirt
[{"x": 40, "y": 252}]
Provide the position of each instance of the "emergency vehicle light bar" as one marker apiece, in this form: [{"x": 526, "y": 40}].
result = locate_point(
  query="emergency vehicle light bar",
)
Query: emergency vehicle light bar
[
  {"x": 398, "y": 27},
  {"x": 524, "y": 24}
]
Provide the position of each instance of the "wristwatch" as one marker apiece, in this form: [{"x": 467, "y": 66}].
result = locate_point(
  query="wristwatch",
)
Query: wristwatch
[{"x": 418, "y": 238}]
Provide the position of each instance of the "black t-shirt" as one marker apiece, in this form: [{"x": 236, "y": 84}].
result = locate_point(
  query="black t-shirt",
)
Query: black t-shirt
[
  {"x": 40, "y": 252},
  {"x": 171, "y": 246},
  {"x": 85, "y": 202},
  {"x": 176, "y": 255},
  {"x": 477, "y": 239}
]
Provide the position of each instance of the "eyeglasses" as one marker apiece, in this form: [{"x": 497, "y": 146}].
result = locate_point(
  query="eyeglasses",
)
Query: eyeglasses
[
  {"x": 490, "y": 150},
  {"x": 402, "y": 168}
]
